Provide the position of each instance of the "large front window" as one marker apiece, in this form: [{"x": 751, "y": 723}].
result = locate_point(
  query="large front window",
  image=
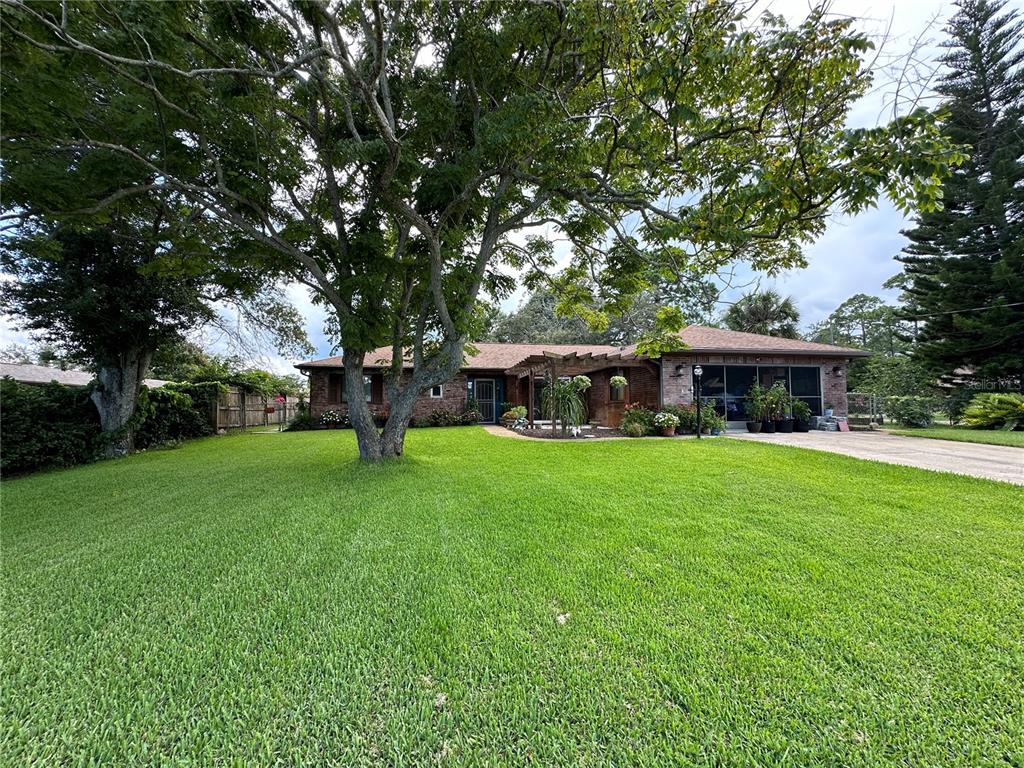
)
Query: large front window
[{"x": 727, "y": 386}]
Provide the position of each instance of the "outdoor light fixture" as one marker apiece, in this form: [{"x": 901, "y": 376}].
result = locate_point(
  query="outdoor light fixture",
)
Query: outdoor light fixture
[
  {"x": 837, "y": 370},
  {"x": 679, "y": 369},
  {"x": 697, "y": 371}
]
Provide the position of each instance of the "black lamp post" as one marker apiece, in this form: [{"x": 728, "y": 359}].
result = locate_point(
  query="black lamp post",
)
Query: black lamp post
[{"x": 697, "y": 371}]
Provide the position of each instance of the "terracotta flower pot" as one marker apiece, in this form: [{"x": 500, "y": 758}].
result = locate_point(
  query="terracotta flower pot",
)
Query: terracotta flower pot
[{"x": 668, "y": 431}]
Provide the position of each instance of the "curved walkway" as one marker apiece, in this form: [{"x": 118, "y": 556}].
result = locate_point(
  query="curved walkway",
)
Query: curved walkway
[{"x": 994, "y": 462}]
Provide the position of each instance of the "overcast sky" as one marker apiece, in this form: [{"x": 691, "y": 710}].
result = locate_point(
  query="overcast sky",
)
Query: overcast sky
[{"x": 855, "y": 255}]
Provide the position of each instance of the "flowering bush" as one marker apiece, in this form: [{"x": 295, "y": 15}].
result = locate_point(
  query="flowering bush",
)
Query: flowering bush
[
  {"x": 635, "y": 413},
  {"x": 687, "y": 415},
  {"x": 331, "y": 417},
  {"x": 666, "y": 420}
]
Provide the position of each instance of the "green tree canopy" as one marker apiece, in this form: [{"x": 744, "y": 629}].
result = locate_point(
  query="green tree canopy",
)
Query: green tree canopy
[
  {"x": 764, "y": 312},
  {"x": 964, "y": 266},
  {"x": 675, "y": 136},
  {"x": 867, "y": 322}
]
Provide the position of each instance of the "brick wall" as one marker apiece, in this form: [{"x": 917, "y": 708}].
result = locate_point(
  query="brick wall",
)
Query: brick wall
[
  {"x": 453, "y": 396},
  {"x": 834, "y": 387}
]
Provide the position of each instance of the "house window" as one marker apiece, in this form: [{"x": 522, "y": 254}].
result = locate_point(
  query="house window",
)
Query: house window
[
  {"x": 334, "y": 387},
  {"x": 435, "y": 391},
  {"x": 367, "y": 390}
]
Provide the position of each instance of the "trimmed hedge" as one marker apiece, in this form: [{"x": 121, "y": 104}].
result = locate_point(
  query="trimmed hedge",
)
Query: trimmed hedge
[
  {"x": 444, "y": 417},
  {"x": 168, "y": 416},
  {"x": 46, "y": 427},
  {"x": 53, "y": 425}
]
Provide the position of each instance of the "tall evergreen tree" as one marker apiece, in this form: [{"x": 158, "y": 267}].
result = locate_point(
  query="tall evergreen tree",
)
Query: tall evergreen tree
[{"x": 970, "y": 255}]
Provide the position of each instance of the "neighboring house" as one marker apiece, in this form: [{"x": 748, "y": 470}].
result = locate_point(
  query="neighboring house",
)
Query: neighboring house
[
  {"x": 40, "y": 374},
  {"x": 515, "y": 374}
]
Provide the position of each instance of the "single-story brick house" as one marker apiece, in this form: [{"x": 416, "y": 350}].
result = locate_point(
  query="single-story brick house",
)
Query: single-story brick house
[{"x": 514, "y": 373}]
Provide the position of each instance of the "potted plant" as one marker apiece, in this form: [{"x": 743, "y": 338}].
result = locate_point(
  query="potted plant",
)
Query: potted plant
[
  {"x": 829, "y": 410},
  {"x": 717, "y": 426},
  {"x": 774, "y": 407},
  {"x": 331, "y": 419},
  {"x": 755, "y": 408},
  {"x": 801, "y": 416},
  {"x": 784, "y": 419},
  {"x": 666, "y": 422}
]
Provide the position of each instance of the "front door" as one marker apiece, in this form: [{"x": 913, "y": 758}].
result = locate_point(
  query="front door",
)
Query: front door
[{"x": 484, "y": 390}]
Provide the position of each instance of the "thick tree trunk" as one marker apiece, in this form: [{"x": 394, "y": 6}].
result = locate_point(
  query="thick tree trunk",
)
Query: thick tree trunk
[
  {"x": 389, "y": 443},
  {"x": 115, "y": 396},
  {"x": 367, "y": 434}
]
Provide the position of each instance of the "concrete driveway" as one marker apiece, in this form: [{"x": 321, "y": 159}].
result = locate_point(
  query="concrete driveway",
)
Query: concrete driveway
[{"x": 995, "y": 462}]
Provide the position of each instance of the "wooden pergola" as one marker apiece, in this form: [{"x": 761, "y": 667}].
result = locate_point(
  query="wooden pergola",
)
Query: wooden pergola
[{"x": 556, "y": 364}]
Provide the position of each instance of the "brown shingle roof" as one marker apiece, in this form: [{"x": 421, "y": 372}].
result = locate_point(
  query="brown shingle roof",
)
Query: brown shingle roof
[
  {"x": 491, "y": 356},
  {"x": 699, "y": 338}
]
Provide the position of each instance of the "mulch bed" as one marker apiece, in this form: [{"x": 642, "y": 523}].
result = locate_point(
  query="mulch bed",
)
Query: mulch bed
[{"x": 547, "y": 434}]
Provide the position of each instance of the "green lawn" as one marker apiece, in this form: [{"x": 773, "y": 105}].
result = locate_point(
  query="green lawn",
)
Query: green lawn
[
  {"x": 264, "y": 599},
  {"x": 962, "y": 434}
]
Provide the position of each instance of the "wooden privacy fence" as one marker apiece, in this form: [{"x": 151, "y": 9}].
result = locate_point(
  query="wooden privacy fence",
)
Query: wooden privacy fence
[{"x": 238, "y": 409}]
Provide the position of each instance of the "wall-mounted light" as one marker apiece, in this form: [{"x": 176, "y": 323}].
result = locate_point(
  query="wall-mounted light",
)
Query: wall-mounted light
[
  {"x": 679, "y": 369},
  {"x": 837, "y": 370}
]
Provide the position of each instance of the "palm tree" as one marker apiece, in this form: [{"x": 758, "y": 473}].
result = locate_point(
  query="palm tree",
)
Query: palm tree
[{"x": 766, "y": 313}]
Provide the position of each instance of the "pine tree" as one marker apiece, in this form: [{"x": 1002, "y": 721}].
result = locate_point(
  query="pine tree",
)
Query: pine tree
[{"x": 971, "y": 253}]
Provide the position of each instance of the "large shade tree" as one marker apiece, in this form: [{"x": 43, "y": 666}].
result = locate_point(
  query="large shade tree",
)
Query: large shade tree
[
  {"x": 110, "y": 265},
  {"x": 109, "y": 297},
  {"x": 390, "y": 152}
]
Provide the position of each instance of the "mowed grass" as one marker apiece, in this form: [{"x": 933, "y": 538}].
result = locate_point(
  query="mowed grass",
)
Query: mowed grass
[
  {"x": 264, "y": 599},
  {"x": 963, "y": 434}
]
